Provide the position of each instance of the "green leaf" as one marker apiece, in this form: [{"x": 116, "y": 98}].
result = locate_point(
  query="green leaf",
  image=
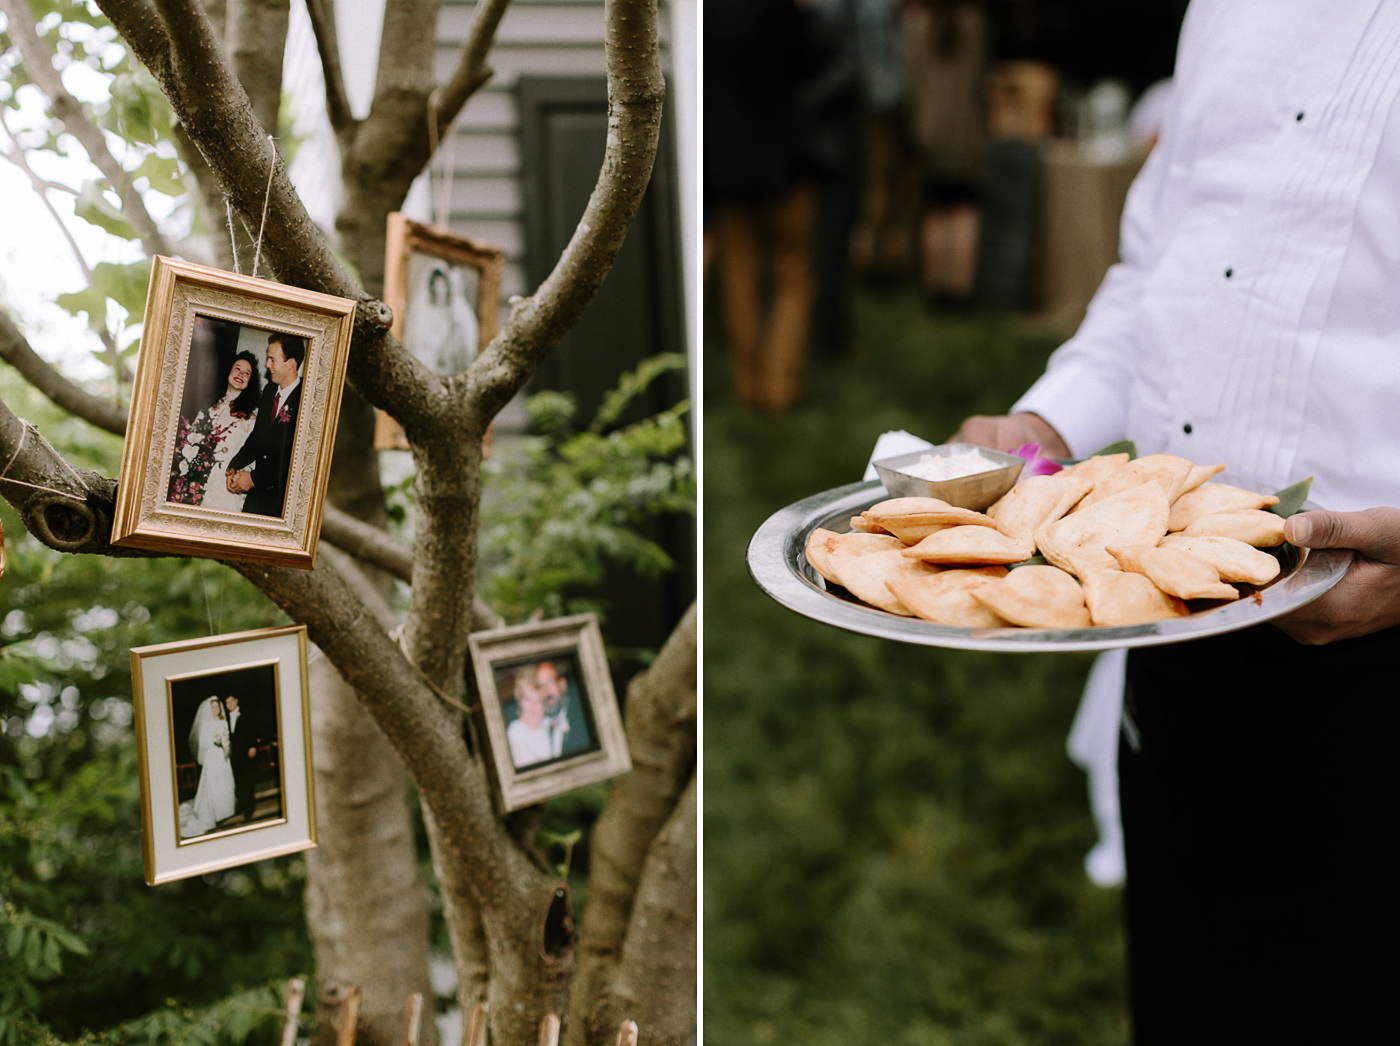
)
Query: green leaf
[
  {"x": 633, "y": 384},
  {"x": 124, "y": 284},
  {"x": 71, "y": 941},
  {"x": 163, "y": 173},
  {"x": 33, "y": 948},
  {"x": 1290, "y": 499},
  {"x": 14, "y": 939},
  {"x": 1034, "y": 561},
  {"x": 93, "y": 207},
  {"x": 53, "y": 959},
  {"x": 1116, "y": 448}
]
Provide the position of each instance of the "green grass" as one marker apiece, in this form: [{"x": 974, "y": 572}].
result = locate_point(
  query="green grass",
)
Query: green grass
[{"x": 894, "y": 837}]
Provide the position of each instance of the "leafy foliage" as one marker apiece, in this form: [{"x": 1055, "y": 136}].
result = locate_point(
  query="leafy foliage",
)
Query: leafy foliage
[
  {"x": 894, "y": 835},
  {"x": 558, "y": 505},
  {"x": 95, "y": 947}
]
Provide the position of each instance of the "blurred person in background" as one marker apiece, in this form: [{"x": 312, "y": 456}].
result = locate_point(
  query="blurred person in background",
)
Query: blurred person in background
[
  {"x": 945, "y": 46},
  {"x": 860, "y": 74},
  {"x": 758, "y": 185},
  {"x": 1251, "y": 321}
]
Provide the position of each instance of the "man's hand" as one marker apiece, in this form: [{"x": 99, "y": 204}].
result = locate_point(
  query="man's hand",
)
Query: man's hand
[
  {"x": 240, "y": 482},
  {"x": 1367, "y": 599},
  {"x": 1009, "y": 431}
]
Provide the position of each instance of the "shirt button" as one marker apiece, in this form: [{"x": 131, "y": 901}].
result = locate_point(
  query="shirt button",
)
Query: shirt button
[
  {"x": 1229, "y": 273},
  {"x": 1299, "y": 117},
  {"x": 1186, "y": 428}
]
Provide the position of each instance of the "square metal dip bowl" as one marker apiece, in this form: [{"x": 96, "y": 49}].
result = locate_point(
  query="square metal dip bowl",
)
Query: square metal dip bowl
[{"x": 976, "y": 491}]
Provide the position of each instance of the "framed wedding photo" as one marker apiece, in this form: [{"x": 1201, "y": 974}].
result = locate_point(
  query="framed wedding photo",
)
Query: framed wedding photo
[
  {"x": 233, "y": 416},
  {"x": 223, "y": 734},
  {"x": 444, "y": 290},
  {"x": 548, "y": 708}
]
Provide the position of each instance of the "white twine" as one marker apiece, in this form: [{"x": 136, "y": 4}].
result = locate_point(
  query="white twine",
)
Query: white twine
[
  {"x": 439, "y": 187},
  {"x": 232, "y": 239},
  {"x": 5, "y": 477},
  {"x": 267, "y": 195}
]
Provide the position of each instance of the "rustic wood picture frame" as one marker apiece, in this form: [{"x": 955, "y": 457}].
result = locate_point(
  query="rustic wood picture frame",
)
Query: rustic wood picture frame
[
  {"x": 407, "y": 240},
  {"x": 597, "y": 750}
]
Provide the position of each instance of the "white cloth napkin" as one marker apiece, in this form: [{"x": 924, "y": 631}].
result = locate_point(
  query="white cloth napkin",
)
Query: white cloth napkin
[{"x": 891, "y": 443}]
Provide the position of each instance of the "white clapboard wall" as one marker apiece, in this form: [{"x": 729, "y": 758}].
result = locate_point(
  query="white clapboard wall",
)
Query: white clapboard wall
[{"x": 555, "y": 38}]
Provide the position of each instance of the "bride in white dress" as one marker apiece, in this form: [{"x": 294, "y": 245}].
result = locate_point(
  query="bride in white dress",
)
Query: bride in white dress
[
  {"x": 214, "y": 799},
  {"x": 234, "y": 413}
]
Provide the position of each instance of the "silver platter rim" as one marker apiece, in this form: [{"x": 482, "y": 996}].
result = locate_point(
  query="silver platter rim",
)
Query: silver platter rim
[{"x": 777, "y": 564}]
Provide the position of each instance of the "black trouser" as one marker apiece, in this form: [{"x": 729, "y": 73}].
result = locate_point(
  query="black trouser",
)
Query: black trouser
[{"x": 1259, "y": 792}]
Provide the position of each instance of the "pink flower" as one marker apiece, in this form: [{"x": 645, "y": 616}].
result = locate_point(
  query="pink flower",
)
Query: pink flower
[{"x": 1035, "y": 464}]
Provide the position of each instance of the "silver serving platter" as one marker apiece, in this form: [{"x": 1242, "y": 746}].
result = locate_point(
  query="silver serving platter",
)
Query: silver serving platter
[{"x": 777, "y": 563}]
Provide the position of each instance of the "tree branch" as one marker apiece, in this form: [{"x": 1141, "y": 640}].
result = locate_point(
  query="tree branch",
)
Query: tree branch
[
  {"x": 176, "y": 42},
  {"x": 16, "y": 351},
  {"x": 661, "y": 735},
  {"x": 255, "y": 37},
  {"x": 635, "y": 94},
  {"x": 472, "y": 72},
  {"x": 322, "y": 14},
  {"x": 38, "y": 63}
]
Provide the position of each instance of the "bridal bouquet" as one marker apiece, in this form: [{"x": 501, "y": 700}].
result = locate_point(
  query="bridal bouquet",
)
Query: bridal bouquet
[{"x": 195, "y": 446}]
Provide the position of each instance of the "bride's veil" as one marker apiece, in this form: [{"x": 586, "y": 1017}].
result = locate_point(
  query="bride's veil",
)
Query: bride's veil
[{"x": 202, "y": 728}]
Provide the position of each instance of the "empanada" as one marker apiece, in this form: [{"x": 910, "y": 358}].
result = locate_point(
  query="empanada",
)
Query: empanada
[
  {"x": 1166, "y": 470},
  {"x": 1233, "y": 560},
  {"x": 1214, "y": 497},
  {"x": 1198, "y": 475},
  {"x": 822, "y": 545},
  {"x": 913, "y": 519},
  {"x": 1252, "y": 526},
  {"x": 865, "y": 576},
  {"x": 946, "y": 597},
  {"x": 1097, "y": 468},
  {"x": 1175, "y": 572},
  {"x": 1036, "y": 502},
  {"x": 969, "y": 545},
  {"x": 1037, "y": 597},
  {"x": 1117, "y": 597},
  {"x": 1134, "y": 517}
]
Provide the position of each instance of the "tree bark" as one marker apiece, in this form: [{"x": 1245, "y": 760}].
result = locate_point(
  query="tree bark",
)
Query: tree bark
[{"x": 366, "y": 904}]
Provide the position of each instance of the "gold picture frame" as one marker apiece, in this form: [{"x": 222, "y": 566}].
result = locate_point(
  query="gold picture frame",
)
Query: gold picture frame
[
  {"x": 548, "y": 709},
  {"x": 438, "y": 284},
  {"x": 203, "y": 327},
  {"x": 223, "y": 741}
]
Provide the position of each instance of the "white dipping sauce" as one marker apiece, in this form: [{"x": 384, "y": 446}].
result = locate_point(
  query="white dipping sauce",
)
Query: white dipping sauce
[{"x": 954, "y": 466}]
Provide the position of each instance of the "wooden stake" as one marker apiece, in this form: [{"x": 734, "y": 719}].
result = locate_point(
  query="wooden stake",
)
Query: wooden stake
[
  {"x": 627, "y": 1034},
  {"x": 412, "y": 1014},
  {"x": 349, "y": 1017},
  {"x": 549, "y": 1030},
  {"x": 296, "y": 992},
  {"x": 476, "y": 1027}
]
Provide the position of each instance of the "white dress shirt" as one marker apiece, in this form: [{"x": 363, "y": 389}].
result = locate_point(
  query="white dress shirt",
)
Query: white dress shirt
[{"x": 1255, "y": 317}]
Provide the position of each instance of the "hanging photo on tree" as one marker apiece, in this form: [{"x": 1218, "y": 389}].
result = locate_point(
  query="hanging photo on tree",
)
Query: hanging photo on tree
[
  {"x": 548, "y": 709},
  {"x": 224, "y": 744},
  {"x": 444, "y": 290},
  {"x": 233, "y": 416}
]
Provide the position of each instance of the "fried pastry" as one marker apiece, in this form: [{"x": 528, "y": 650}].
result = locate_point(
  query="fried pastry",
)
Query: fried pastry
[
  {"x": 1118, "y": 597},
  {"x": 913, "y": 519},
  {"x": 1037, "y": 597},
  {"x": 1233, "y": 560},
  {"x": 1097, "y": 468},
  {"x": 1036, "y": 502},
  {"x": 865, "y": 576},
  {"x": 1198, "y": 475},
  {"x": 823, "y": 545},
  {"x": 1252, "y": 526},
  {"x": 1175, "y": 572},
  {"x": 1211, "y": 498},
  {"x": 1133, "y": 517},
  {"x": 969, "y": 544},
  {"x": 945, "y": 598},
  {"x": 1166, "y": 470}
]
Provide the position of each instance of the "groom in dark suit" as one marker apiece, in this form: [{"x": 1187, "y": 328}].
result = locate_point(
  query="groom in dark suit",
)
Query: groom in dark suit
[
  {"x": 260, "y": 467},
  {"x": 243, "y": 750}
]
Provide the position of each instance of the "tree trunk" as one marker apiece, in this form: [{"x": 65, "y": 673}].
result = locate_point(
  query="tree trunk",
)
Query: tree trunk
[{"x": 366, "y": 904}]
